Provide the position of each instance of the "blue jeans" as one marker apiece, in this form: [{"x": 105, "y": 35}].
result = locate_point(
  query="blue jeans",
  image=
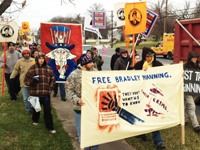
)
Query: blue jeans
[
  {"x": 78, "y": 125},
  {"x": 25, "y": 92},
  {"x": 157, "y": 137},
  {"x": 62, "y": 89}
]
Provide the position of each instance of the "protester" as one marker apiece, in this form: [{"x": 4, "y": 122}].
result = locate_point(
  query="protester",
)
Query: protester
[
  {"x": 122, "y": 61},
  {"x": 34, "y": 46},
  {"x": 62, "y": 90},
  {"x": 148, "y": 61},
  {"x": 39, "y": 48},
  {"x": 12, "y": 57},
  {"x": 137, "y": 58},
  {"x": 21, "y": 67},
  {"x": 41, "y": 88},
  {"x": 97, "y": 58},
  {"x": 192, "y": 63},
  {"x": 114, "y": 58},
  {"x": 73, "y": 90},
  {"x": 34, "y": 53},
  {"x": 17, "y": 48}
]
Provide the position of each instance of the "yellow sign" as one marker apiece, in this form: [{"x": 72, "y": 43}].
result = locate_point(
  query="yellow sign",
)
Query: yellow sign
[
  {"x": 29, "y": 37},
  {"x": 25, "y": 27},
  {"x": 128, "y": 40},
  {"x": 21, "y": 33},
  {"x": 135, "y": 17}
]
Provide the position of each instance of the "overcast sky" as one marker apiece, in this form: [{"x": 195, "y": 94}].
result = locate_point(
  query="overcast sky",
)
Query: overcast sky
[{"x": 38, "y": 11}]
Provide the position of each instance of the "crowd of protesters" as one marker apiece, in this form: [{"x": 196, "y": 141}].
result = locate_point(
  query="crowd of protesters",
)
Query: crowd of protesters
[{"x": 22, "y": 65}]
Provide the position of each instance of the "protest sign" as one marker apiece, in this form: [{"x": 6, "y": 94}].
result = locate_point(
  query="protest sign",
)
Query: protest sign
[
  {"x": 62, "y": 44},
  {"x": 121, "y": 104},
  {"x": 151, "y": 20},
  {"x": 192, "y": 82},
  {"x": 99, "y": 19}
]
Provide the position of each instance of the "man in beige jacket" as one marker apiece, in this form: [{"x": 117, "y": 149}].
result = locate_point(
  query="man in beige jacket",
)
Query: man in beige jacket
[{"x": 22, "y": 67}]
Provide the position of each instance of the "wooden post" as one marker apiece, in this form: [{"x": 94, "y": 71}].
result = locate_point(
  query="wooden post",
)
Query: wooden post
[
  {"x": 27, "y": 40},
  {"x": 4, "y": 61},
  {"x": 133, "y": 52},
  {"x": 125, "y": 39},
  {"x": 183, "y": 134}
]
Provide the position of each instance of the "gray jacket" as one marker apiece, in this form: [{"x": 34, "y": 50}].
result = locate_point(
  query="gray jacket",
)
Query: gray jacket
[{"x": 11, "y": 59}]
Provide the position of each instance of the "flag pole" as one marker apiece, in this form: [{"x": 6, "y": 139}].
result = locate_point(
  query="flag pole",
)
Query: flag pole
[
  {"x": 4, "y": 61},
  {"x": 27, "y": 40},
  {"x": 125, "y": 40}
]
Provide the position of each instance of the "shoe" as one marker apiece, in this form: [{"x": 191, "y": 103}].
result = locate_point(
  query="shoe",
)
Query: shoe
[
  {"x": 197, "y": 129},
  {"x": 28, "y": 112},
  {"x": 17, "y": 95},
  {"x": 160, "y": 146},
  {"x": 34, "y": 123},
  {"x": 54, "y": 95},
  {"x": 12, "y": 100},
  {"x": 63, "y": 99},
  {"x": 53, "y": 131}
]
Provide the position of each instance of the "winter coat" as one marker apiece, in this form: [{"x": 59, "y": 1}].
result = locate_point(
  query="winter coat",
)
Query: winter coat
[
  {"x": 73, "y": 89},
  {"x": 22, "y": 67},
  {"x": 46, "y": 79},
  {"x": 97, "y": 60},
  {"x": 113, "y": 60},
  {"x": 11, "y": 59},
  {"x": 155, "y": 63}
]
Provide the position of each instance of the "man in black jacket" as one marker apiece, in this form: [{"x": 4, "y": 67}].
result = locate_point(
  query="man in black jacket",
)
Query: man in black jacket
[
  {"x": 149, "y": 60},
  {"x": 114, "y": 58}
]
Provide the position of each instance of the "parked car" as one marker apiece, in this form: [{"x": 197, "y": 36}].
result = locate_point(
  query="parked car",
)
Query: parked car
[
  {"x": 138, "y": 41},
  {"x": 85, "y": 48}
]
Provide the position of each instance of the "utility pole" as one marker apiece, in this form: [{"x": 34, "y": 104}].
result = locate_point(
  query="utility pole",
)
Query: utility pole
[
  {"x": 112, "y": 29},
  {"x": 165, "y": 20}
]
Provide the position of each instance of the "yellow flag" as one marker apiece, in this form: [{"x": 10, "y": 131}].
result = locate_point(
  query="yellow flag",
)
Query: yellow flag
[
  {"x": 135, "y": 17},
  {"x": 25, "y": 27},
  {"x": 128, "y": 40},
  {"x": 21, "y": 33}
]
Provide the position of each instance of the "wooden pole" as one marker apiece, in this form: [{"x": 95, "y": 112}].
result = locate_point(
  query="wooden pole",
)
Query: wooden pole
[
  {"x": 23, "y": 40},
  {"x": 4, "y": 62},
  {"x": 133, "y": 52},
  {"x": 125, "y": 40},
  {"x": 27, "y": 40},
  {"x": 183, "y": 134}
]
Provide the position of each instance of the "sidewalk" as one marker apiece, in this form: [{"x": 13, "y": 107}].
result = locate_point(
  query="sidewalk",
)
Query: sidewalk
[{"x": 64, "y": 111}]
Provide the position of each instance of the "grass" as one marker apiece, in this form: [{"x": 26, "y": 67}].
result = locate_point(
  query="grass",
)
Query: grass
[
  {"x": 16, "y": 133},
  {"x": 171, "y": 138}
]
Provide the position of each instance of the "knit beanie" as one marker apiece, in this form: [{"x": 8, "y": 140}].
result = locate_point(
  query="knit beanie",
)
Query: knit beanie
[
  {"x": 25, "y": 50},
  {"x": 11, "y": 44},
  {"x": 85, "y": 59}
]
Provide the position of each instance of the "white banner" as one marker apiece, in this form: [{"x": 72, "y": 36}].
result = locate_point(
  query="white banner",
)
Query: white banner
[
  {"x": 8, "y": 31},
  {"x": 88, "y": 25},
  {"x": 119, "y": 14},
  {"x": 121, "y": 104}
]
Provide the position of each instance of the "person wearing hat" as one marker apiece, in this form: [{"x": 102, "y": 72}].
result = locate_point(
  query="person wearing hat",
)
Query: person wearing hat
[
  {"x": 122, "y": 61},
  {"x": 97, "y": 58},
  {"x": 34, "y": 46},
  {"x": 41, "y": 87},
  {"x": 21, "y": 67},
  {"x": 74, "y": 92},
  {"x": 12, "y": 56},
  {"x": 190, "y": 107},
  {"x": 149, "y": 60},
  {"x": 114, "y": 58},
  {"x": 17, "y": 48}
]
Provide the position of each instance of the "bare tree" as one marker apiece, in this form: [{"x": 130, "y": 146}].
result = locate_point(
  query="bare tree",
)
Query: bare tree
[{"x": 196, "y": 11}]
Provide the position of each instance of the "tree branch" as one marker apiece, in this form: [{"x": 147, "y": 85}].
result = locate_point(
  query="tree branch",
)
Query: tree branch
[{"x": 4, "y": 5}]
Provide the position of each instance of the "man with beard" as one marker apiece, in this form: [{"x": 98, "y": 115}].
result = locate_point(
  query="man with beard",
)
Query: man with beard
[
  {"x": 148, "y": 61},
  {"x": 73, "y": 90},
  {"x": 114, "y": 58},
  {"x": 12, "y": 57},
  {"x": 21, "y": 68},
  {"x": 123, "y": 60}
]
